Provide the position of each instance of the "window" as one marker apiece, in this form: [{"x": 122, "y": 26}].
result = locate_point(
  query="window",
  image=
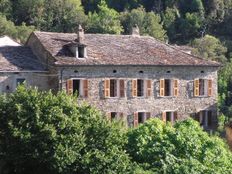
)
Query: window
[
  {"x": 141, "y": 117},
  {"x": 202, "y": 87},
  {"x": 141, "y": 88},
  {"x": 170, "y": 116},
  {"x": 204, "y": 117},
  {"x": 114, "y": 88},
  {"x": 115, "y": 116},
  {"x": 168, "y": 87},
  {"x": 81, "y": 51},
  {"x": 77, "y": 86},
  {"x": 20, "y": 81}
]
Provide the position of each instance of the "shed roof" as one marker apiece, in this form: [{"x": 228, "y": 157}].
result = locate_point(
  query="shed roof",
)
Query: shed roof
[
  {"x": 18, "y": 58},
  {"x": 106, "y": 49}
]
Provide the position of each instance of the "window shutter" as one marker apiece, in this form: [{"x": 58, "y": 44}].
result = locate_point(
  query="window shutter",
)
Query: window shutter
[
  {"x": 85, "y": 88},
  {"x": 148, "y": 115},
  {"x": 134, "y": 88},
  {"x": 107, "y": 88},
  {"x": 210, "y": 87},
  {"x": 69, "y": 86},
  {"x": 196, "y": 87},
  {"x": 121, "y": 115},
  {"x": 161, "y": 87},
  {"x": 108, "y": 116},
  {"x": 209, "y": 118},
  {"x": 164, "y": 116},
  {"x": 175, "y": 87},
  {"x": 175, "y": 116},
  {"x": 136, "y": 119},
  {"x": 122, "y": 88},
  {"x": 148, "y": 88}
]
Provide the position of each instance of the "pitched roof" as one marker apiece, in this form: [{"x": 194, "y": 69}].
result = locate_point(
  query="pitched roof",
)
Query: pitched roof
[
  {"x": 7, "y": 41},
  {"x": 18, "y": 58},
  {"x": 105, "y": 49}
]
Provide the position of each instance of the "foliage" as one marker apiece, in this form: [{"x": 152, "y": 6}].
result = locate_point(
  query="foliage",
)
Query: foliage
[
  {"x": 210, "y": 48},
  {"x": 163, "y": 148},
  {"x": 46, "y": 133},
  {"x": 148, "y": 23},
  {"x": 17, "y": 32},
  {"x": 105, "y": 21}
]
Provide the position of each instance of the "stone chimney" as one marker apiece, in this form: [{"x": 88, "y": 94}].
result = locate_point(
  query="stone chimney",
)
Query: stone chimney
[
  {"x": 135, "y": 31},
  {"x": 80, "y": 34}
]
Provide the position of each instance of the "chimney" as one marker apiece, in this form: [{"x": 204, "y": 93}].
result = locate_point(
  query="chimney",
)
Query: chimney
[
  {"x": 135, "y": 31},
  {"x": 80, "y": 34}
]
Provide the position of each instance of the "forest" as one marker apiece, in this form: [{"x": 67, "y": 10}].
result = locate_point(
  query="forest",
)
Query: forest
[{"x": 204, "y": 25}]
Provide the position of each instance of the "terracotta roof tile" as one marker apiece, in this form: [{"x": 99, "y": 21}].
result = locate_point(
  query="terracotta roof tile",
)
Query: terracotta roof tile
[{"x": 105, "y": 49}]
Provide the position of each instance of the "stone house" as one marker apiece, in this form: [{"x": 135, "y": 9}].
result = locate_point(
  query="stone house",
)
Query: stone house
[{"x": 129, "y": 77}]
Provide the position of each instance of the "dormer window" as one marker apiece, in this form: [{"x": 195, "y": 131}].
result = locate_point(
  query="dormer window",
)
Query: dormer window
[{"x": 81, "y": 52}]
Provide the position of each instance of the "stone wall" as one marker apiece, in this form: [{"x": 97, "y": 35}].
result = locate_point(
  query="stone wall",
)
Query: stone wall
[
  {"x": 8, "y": 80},
  {"x": 185, "y": 103}
]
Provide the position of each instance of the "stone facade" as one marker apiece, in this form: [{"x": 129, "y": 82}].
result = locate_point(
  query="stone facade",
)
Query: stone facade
[
  {"x": 185, "y": 103},
  {"x": 8, "y": 80}
]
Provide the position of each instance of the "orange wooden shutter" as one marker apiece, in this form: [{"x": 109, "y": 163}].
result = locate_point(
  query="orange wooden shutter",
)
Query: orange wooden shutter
[
  {"x": 175, "y": 87},
  {"x": 107, "y": 88},
  {"x": 175, "y": 116},
  {"x": 196, "y": 87},
  {"x": 161, "y": 87},
  {"x": 85, "y": 88},
  {"x": 148, "y": 88},
  {"x": 210, "y": 87},
  {"x": 69, "y": 86},
  {"x": 136, "y": 119},
  {"x": 122, "y": 88},
  {"x": 121, "y": 115},
  {"x": 148, "y": 115},
  {"x": 164, "y": 116},
  {"x": 134, "y": 88}
]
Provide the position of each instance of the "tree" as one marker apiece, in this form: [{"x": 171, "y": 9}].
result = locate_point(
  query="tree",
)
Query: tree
[
  {"x": 164, "y": 148},
  {"x": 105, "y": 21},
  {"x": 148, "y": 23},
  {"x": 210, "y": 48},
  {"x": 5, "y": 7},
  {"x": 45, "y": 133}
]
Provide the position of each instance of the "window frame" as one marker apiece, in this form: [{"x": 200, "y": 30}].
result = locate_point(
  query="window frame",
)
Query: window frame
[
  {"x": 204, "y": 122},
  {"x": 82, "y": 90},
  {"x": 207, "y": 88},
  {"x": 173, "y": 120},
  {"x": 118, "y": 81},
  {"x": 174, "y": 87}
]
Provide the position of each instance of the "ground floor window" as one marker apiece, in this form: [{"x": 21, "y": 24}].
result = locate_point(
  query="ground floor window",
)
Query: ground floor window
[
  {"x": 141, "y": 117},
  {"x": 115, "y": 116},
  {"x": 170, "y": 116},
  {"x": 204, "y": 117}
]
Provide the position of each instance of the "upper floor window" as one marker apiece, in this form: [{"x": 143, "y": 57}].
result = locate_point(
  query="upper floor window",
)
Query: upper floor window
[
  {"x": 170, "y": 116},
  {"x": 114, "y": 88},
  {"x": 202, "y": 87},
  {"x": 204, "y": 117},
  {"x": 141, "y": 117},
  {"x": 168, "y": 87},
  {"x": 77, "y": 86},
  {"x": 81, "y": 51},
  {"x": 141, "y": 88}
]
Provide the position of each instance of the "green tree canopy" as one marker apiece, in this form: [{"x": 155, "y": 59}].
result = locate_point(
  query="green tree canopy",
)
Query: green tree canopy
[
  {"x": 105, "y": 21},
  {"x": 148, "y": 23},
  {"x": 210, "y": 48},
  {"x": 162, "y": 148},
  {"x": 45, "y": 133}
]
